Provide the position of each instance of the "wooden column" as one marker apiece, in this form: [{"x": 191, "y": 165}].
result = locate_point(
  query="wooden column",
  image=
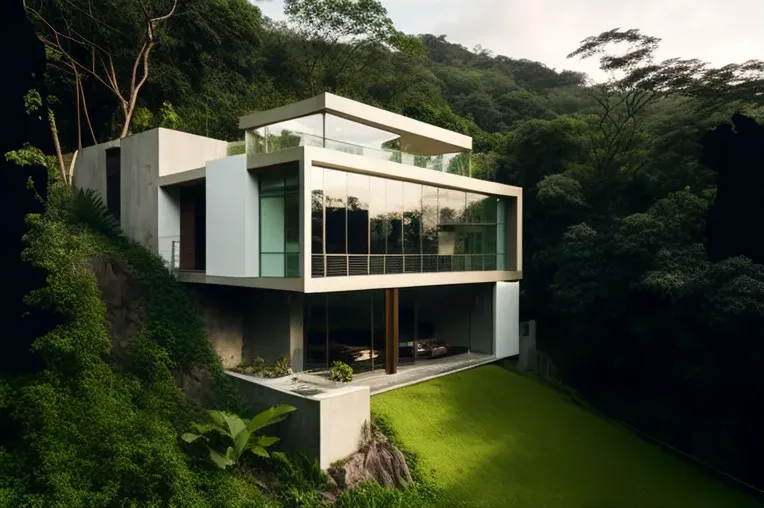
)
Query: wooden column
[{"x": 391, "y": 331}]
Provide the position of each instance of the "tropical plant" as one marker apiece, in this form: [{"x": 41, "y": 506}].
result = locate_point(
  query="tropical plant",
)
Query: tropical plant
[
  {"x": 341, "y": 372},
  {"x": 88, "y": 208},
  {"x": 241, "y": 434}
]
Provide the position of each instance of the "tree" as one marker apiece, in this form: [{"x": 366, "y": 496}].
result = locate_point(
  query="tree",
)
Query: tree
[
  {"x": 340, "y": 39},
  {"x": 735, "y": 153},
  {"x": 97, "y": 40}
]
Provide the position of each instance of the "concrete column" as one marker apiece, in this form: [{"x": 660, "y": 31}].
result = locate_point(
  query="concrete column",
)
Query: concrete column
[{"x": 506, "y": 319}]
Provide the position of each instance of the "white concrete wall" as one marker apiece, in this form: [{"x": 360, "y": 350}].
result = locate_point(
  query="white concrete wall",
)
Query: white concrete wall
[
  {"x": 342, "y": 418},
  {"x": 149, "y": 215},
  {"x": 301, "y": 431},
  {"x": 181, "y": 151},
  {"x": 138, "y": 178},
  {"x": 506, "y": 319},
  {"x": 90, "y": 167},
  {"x": 326, "y": 427},
  {"x": 232, "y": 219}
]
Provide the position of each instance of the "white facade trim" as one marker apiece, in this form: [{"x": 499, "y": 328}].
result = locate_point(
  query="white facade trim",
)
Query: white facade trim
[{"x": 404, "y": 280}]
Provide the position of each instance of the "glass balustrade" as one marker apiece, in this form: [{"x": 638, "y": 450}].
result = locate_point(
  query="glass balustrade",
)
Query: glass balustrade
[{"x": 334, "y": 133}]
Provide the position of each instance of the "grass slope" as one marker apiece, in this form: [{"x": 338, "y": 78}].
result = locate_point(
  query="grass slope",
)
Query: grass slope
[{"x": 494, "y": 438}]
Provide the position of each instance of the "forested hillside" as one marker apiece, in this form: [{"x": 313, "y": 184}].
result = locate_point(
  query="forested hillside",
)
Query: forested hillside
[{"x": 642, "y": 258}]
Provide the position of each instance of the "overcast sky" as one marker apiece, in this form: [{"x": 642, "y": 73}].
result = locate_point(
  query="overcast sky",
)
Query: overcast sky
[{"x": 717, "y": 31}]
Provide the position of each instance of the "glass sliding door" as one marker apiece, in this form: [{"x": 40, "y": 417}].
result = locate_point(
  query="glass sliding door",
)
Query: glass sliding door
[
  {"x": 407, "y": 324},
  {"x": 316, "y": 332},
  {"x": 350, "y": 329}
]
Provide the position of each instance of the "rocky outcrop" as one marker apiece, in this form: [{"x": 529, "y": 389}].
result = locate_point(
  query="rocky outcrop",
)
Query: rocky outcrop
[
  {"x": 126, "y": 313},
  {"x": 122, "y": 296},
  {"x": 376, "y": 460}
]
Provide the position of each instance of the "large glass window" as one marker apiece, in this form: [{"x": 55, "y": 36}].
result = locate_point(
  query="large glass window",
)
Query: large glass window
[
  {"x": 279, "y": 222},
  {"x": 343, "y": 135},
  {"x": 352, "y": 137},
  {"x": 304, "y": 131},
  {"x": 335, "y": 213},
  {"x": 372, "y": 226},
  {"x": 317, "y": 221}
]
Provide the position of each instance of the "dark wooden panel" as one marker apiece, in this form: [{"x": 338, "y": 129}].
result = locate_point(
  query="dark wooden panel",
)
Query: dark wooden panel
[
  {"x": 187, "y": 229},
  {"x": 391, "y": 331},
  {"x": 113, "y": 182}
]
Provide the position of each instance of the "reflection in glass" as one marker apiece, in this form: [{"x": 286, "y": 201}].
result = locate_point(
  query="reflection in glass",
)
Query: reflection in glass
[
  {"x": 335, "y": 188},
  {"x": 279, "y": 222},
  {"x": 394, "y": 226},
  {"x": 317, "y": 220},
  {"x": 352, "y": 137},
  {"x": 304, "y": 131},
  {"x": 343, "y": 135},
  {"x": 412, "y": 227},
  {"x": 376, "y": 226},
  {"x": 358, "y": 213},
  {"x": 349, "y": 330},
  {"x": 316, "y": 346},
  {"x": 501, "y": 240}
]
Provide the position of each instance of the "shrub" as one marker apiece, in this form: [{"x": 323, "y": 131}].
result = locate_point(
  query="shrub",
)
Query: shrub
[
  {"x": 258, "y": 366},
  {"x": 280, "y": 368},
  {"x": 372, "y": 495},
  {"x": 89, "y": 433},
  {"x": 238, "y": 433},
  {"x": 88, "y": 208},
  {"x": 341, "y": 372},
  {"x": 302, "y": 480}
]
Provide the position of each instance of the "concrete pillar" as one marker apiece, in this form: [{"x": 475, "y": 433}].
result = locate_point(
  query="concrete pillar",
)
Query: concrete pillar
[{"x": 506, "y": 318}]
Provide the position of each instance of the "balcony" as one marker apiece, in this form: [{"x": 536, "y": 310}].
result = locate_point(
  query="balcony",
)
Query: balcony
[{"x": 342, "y": 135}]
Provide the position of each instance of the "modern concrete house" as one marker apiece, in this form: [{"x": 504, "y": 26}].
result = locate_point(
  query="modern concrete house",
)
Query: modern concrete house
[{"x": 342, "y": 232}]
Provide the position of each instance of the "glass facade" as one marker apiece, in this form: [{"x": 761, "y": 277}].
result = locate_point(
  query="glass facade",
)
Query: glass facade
[
  {"x": 365, "y": 225},
  {"x": 432, "y": 323},
  {"x": 279, "y": 222},
  {"x": 337, "y": 133}
]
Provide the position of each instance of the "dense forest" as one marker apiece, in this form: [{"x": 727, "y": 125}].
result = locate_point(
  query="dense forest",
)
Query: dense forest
[{"x": 643, "y": 266}]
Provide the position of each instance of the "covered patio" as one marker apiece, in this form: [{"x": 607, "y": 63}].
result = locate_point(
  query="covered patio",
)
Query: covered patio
[{"x": 379, "y": 382}]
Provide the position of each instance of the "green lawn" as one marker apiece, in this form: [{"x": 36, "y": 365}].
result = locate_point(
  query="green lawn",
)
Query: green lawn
[{"x": 499, "y": 439}]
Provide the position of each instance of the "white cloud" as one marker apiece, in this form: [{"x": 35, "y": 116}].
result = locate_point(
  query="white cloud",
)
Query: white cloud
[{"x": 717, "y": 31}]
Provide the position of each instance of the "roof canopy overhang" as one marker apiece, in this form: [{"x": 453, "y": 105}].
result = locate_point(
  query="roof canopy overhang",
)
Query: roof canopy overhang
[{"x": 417, "y": 137}]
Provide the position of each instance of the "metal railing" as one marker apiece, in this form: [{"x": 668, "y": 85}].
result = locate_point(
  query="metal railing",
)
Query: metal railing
[
  {"x": 343, "y": 265},
  {"x": 175, "y": 256}
]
